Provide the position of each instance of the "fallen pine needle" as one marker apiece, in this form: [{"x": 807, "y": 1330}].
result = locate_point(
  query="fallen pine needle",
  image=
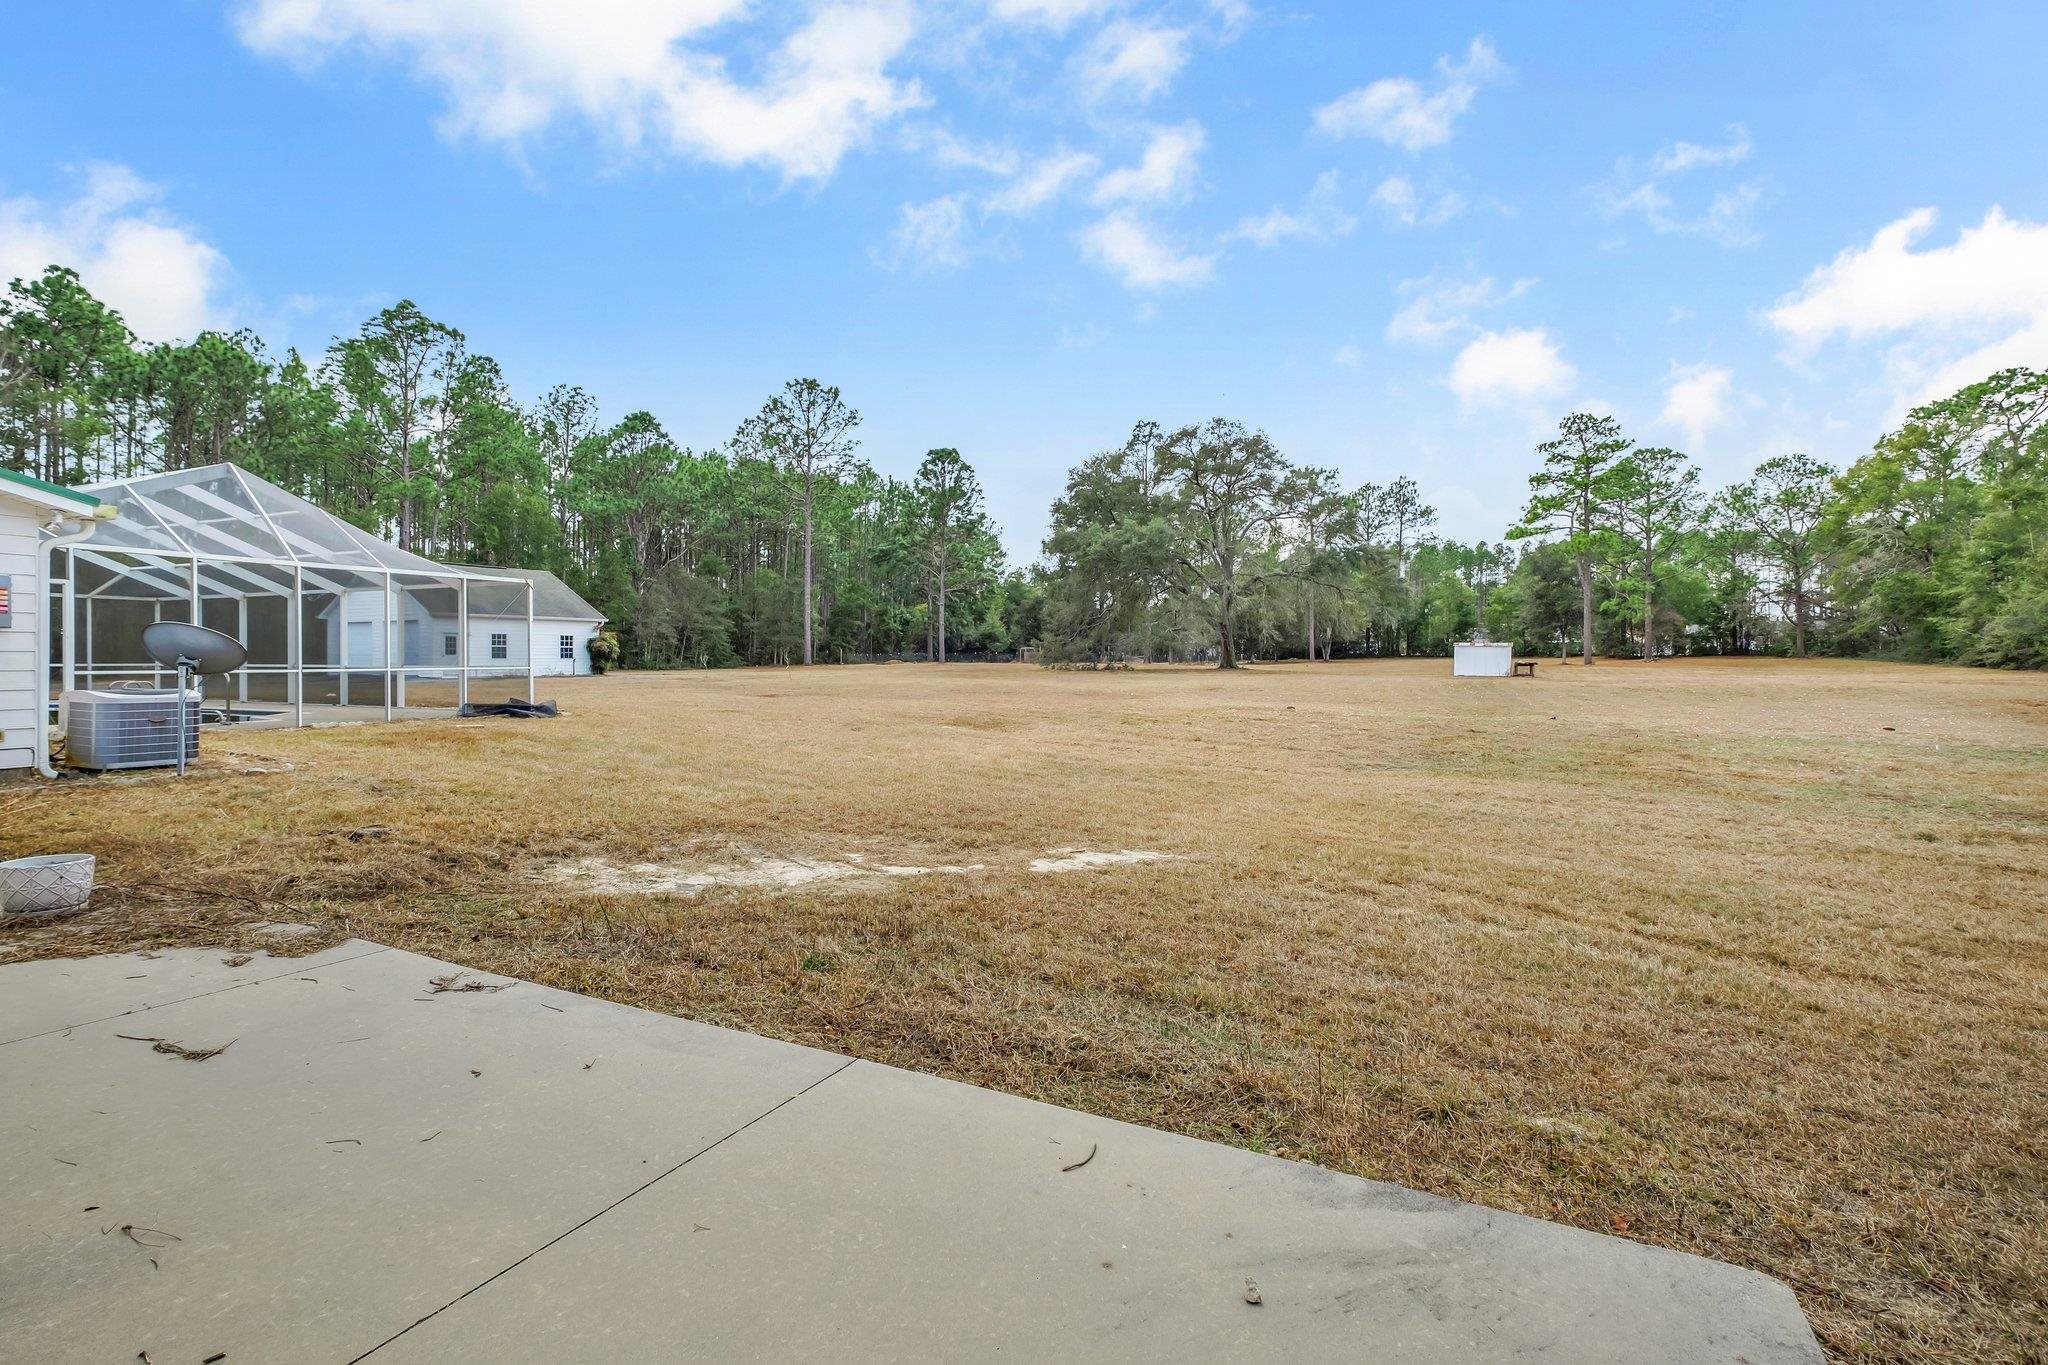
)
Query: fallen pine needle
[
  {"x": 456, "y": 981},
  {"x": 179, "y": 1050},
  {"x": 137, "y": 1235},
  {"x": 1083, "y": 1161}
]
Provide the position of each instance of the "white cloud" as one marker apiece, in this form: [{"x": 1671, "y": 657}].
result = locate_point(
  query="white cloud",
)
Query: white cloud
[
  {"x": 1350, "y": 355},
  {"x": 1919, "y": 378},
  {"x": 1053, "y": 14},
  {"x": 1041, "y": 182},
  {"x": 1954, "y": 313},
  {"x": 1401, "y": 113},
  {"x": 1232, "y": 15},
  {"x": 1165, "y": 172},
  {"x": 1024, "y": 184},
  {"x": 1403, "y": 205},
  {"x": 1995, "y": 272},
  {"x": 1518, "y": 364},
  {"x": 1130, "y": 249},
  {"x": 955, "y": 152},
  {"x": 1727, "y": 218},
  {"x": 1645, "y": 189},
  {"x": 633, "y": 69},
  {"x": 157, "y": 273},
  {"x": 1438, "y": 310},
  {"x": 1697, "y": 399},
  {"x": 1321, "y": 218},
  {"x": 940, "y": 234},
  {"x": 1132, "y": 61},
  {"x": 1680, "y": 157},
  {"x": 931, "y": 236}
]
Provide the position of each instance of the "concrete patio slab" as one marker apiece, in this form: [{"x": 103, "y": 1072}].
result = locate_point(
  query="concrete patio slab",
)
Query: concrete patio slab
[
  {"x": 57, "y": 993},
  {"x": 890, "y": 1215},
  {"x": 618, "y": 1184},
  {"x": 339, "y": 1171}
]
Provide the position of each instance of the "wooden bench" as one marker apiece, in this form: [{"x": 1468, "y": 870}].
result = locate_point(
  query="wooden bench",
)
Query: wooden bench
[{"x": 1527, "y": 666}]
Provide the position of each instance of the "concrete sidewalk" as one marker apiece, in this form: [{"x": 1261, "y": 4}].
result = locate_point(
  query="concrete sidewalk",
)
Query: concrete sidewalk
[{"x": 376, "y": 1168}]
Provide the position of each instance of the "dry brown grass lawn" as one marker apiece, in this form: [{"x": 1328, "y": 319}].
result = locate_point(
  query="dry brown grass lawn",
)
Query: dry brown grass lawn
[{"x": 1743, "y": 958}]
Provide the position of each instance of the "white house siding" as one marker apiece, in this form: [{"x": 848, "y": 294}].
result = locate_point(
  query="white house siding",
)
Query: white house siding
[
  {"x": 546, "y": 651},
  {"x": 549, "y": 652},
  {"x": 24, "y": 691}
]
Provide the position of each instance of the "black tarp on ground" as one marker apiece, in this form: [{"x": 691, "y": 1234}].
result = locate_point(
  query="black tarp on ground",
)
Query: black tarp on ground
[{"x": 512, "y": 706}]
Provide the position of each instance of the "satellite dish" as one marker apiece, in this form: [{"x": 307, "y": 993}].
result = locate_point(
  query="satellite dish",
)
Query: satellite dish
[
  {"x": 177, "y": 644},
  {"x": 191, "y": 649}
]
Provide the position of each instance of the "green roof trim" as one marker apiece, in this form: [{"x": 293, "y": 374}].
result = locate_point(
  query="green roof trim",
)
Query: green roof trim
[{"x": 77, "y": 495}]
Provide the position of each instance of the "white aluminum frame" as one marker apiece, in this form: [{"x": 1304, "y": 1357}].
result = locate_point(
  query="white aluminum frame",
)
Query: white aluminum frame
[{"x": 194, "y": 575}]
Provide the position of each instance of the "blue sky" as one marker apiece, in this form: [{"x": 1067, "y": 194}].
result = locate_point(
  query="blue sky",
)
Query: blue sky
[{"x": 1401, "y": 239}]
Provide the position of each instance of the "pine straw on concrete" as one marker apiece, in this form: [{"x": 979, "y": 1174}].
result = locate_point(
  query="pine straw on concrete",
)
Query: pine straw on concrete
[{"x": 1742, "y": 958}]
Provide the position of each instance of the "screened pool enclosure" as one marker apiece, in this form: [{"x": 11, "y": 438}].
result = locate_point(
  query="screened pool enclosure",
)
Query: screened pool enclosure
[{"x": 331, "y": 615}]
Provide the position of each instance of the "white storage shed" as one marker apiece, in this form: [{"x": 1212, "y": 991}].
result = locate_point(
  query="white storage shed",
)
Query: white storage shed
[{"x": 1482, "y": 659}]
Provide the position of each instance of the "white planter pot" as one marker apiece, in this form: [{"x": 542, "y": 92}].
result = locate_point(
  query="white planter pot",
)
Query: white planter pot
[{"x": 50, "y": 885}]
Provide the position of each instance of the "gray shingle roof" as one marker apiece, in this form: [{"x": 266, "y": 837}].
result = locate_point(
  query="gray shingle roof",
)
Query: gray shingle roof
[{"x": 552, "y": 598}]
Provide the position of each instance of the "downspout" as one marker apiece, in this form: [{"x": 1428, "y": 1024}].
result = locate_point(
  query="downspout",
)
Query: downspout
[{"x": 48, "y": 549}]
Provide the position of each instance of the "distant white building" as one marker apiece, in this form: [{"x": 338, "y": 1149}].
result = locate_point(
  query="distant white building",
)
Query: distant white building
[
  {"x": 430, "y": 633},
  {"x": 1482, "y": 659}
]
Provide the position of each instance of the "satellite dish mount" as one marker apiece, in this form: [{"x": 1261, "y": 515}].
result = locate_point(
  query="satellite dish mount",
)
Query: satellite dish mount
[{"x": 192, "y": 650}]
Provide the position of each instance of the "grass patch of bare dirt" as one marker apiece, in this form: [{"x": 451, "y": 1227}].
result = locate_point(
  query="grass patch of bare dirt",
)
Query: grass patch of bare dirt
[{"x": 1741, "y": 958}]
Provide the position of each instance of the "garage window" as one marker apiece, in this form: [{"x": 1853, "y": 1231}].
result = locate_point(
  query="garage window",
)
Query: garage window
[
  {"x": 569, "y": 647},
  {"x": 448, "y": 645},
  {"x": 501, "y": 645}
]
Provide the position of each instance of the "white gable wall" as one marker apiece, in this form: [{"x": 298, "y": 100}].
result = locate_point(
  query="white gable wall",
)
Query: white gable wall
[{"x": 24, "y": 688}]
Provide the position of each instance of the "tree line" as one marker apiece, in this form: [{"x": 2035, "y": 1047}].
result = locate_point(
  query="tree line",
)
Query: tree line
[
  {"x": 1197, "y": 542},
  {"x": 1933, "y": 547},
  {"x": 781, "y": 546},
  {"x": 1206, "y": 542}
]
